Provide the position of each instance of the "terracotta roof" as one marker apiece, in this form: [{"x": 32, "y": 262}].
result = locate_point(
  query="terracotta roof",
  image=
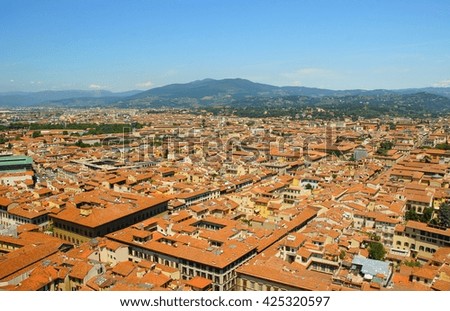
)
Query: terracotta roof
[
  {"x": 424, "y": 227},
  {"x": 425, "y": 272},
  {"x": 80, "y": 270},
  {"x": 199, "y": 282},
  {"x": 107, "y": 207},
  {"x": 25, "y": 257},
  {"x": 38, "y": 278},
  {"x": 441, "y": 285},
  {"x": 112, "y": 245},
  {"x": 123, "y": 268},
  {"x": 5, "y": 201},
  {"x": 279, "y": 271}
]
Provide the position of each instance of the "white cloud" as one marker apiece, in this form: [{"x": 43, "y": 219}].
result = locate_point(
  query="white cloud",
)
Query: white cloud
[
  {"x": 170, "y": 73},
  {"x": 95, "y": 86},
  {"x": 310, "y": 76},
  {"x": 312, "y": 72},
  {"x": 11, "y": 80},
  {"x": 147, "y": 84},
  {"x": 309, "y": 73},
  {"x": 391, "y": 70},
  {"x": 444, "y": 83},
  {"x": 297, "y": 83}
]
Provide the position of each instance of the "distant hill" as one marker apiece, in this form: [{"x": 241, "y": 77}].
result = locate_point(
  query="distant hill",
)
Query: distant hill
[
  {"x": 239, "y": 88},
  {"x": 12, "y": 99},
  {"x": 442, "y": 91},
  {"x": 244, "y": 93},
  {"x": 210, "y": 88},
  {"x": 416, "y": 105}
]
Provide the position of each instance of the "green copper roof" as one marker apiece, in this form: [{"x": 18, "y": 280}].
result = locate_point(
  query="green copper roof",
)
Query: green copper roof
[{"x": 15, "y": 160}]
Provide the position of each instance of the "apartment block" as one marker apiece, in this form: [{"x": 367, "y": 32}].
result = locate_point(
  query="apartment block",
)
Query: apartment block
[{"x": 420, "y": 239}]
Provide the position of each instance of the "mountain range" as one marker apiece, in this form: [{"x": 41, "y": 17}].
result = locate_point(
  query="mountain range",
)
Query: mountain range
[
  {"x": 205, "y": 92},
  {"x": 44, "y": 98},
  {"x": 239, "y": 88}
]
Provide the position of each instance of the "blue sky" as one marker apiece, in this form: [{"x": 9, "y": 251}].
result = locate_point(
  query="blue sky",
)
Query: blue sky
[{"x": 124, "y": 45}]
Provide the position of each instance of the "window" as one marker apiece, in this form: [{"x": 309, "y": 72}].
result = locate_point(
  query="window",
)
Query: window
[{"x": 252, "y": 285}]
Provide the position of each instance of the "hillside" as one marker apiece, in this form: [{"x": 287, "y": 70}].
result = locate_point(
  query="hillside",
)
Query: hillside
[
  {"x": 252, "y": 99},
  {"x": 14, "y": 99},
  {"x": 416, "y": 105}
]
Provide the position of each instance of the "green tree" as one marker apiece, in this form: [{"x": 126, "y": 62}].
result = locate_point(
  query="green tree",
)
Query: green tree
[
  {"x": 336, "y": 153},
  {"x": 412, "y": 263},
  {"x": 308, "y": 186},
  {"x": 427, "y": 215},
  {"x": 385, "y": 146},
  {"x": 444, "y": 215},
  {"x": 444, "y": 146},
  {"x": 411, "y": 215},
  {"x": 3, "y": 139},
  {"x": 36, "y": 134},
  {"x": 80, "y": 144},
  {"x": 65, "y": 133},
  {"x": 376, "y": 251}
]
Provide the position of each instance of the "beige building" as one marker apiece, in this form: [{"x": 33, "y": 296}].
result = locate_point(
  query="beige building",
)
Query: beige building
[
  {"x": 382, "y": 225},
  {"x": 210, "y": 247},
  {"x": 215, "y": 258},
  {"x": 420, "y": 238}
]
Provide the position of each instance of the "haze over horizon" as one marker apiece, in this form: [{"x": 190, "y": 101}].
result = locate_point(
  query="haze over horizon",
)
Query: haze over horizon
[{"x": 123, "y": 45}]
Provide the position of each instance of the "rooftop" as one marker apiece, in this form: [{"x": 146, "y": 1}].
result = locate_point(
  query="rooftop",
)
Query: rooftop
[{"x": 372, "y": 267}]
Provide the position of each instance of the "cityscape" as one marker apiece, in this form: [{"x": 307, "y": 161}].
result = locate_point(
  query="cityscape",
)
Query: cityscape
[
  {"x": 204, "y": 148},
  {"x": 169, "y": 199}
]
